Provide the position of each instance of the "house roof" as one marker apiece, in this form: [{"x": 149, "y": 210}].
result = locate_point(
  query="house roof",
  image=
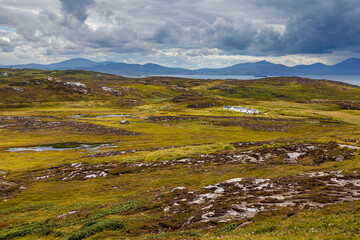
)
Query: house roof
[{"x": 243, "y": 108}]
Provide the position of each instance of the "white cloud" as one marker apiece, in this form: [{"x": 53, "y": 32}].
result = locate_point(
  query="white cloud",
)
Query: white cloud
[{"x": 187, "y": 33}]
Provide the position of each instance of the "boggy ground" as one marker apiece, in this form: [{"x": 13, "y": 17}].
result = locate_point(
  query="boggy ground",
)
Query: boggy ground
[
  {"x": 182, "y": 168},
  {"x": 232, "y": 200},
  {"x": 279, "y": 153},
  {"x": 243, "y": 198},
  {"x": 34, "y": 124}
]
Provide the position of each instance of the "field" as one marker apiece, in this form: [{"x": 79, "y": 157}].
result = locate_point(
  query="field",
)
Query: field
[{"x": 97, "y": 156}]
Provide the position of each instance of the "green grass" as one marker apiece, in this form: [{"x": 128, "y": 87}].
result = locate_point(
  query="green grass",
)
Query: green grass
[
  {"x": 92, "y": 228},
  {"x": 339, "y": 221},
  {"x": 125, "y": 206}
]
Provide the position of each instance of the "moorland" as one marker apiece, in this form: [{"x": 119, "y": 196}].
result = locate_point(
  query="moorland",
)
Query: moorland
[{"x": 99, "y": 156}]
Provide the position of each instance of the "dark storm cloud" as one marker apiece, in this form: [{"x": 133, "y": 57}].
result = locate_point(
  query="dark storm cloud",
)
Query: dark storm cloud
[
  {"x": 238, "y": 36},
  {"x": 320, "y": 26},
  {"x": 167, "y": 33},
  {"x": 77, "y": 8},
  {"x": 326, "y": 27},
  {"x": 251, "y": 27}
]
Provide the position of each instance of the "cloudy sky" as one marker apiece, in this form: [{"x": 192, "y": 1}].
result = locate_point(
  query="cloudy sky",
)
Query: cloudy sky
[{"x": 182, "y": 33}]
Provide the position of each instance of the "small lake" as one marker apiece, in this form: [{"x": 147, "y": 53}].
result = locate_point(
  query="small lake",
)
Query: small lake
[
  {"x": 351, "y": 79},
  {"x": 112, "y": 115},
  {"x": 61, "y": 147},
  {"x": 348, "y": 146},
  {"x": 103, "y": 116}
]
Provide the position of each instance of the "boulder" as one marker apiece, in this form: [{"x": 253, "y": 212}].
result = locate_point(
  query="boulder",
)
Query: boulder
[
  {"x": 124, "y": 122},
  {"x": 178, "y": 189}
]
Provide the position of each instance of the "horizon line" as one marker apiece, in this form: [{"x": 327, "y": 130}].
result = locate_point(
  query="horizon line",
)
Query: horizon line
[{"x": 11, "y": 65}]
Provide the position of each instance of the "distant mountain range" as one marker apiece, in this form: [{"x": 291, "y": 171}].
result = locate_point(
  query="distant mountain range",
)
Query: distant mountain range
[{"x": 350, "y": 66}]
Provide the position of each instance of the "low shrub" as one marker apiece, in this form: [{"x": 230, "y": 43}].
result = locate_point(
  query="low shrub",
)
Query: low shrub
[{"x": 92, "y": 228}]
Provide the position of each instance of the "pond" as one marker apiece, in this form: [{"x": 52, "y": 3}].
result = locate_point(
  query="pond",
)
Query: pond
[
  {"x": 112, "y": 115},
  {"x": 103, "y": 116},
  {"x": 349, "y": 146},
  {"x": 61, "y": 147}
]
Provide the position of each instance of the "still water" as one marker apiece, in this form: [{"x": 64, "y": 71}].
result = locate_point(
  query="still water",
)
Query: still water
[{"x": 61, "y": 147}]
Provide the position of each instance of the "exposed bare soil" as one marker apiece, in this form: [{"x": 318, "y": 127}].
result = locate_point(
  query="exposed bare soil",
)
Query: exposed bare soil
[
  {"x": 243, "y": 198},
  {"x": 8, "y": 188},
  {"x": 295, "y": 154},
  {"x": 234, "y": 199}
]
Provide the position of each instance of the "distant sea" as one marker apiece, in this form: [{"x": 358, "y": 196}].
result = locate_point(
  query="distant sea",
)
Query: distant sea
[{"x": 351, "y": 79}]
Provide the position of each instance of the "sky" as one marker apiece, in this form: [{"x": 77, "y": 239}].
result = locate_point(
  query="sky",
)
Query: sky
[{"x": 180, "y": 33}]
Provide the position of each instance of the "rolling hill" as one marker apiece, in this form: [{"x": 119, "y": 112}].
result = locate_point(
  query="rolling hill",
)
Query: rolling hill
[{"x": 350, "y": 66}]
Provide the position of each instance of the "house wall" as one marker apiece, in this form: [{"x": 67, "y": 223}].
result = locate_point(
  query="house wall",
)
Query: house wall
[{"x": 242, "y": 110}]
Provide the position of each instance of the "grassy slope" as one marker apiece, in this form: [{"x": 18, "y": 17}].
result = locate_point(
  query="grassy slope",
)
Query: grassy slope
[{"x": 105, "y": 200}]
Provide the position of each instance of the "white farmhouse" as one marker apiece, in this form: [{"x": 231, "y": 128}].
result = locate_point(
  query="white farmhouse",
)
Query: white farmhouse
[
  {"x": 242, "y": 109},
  {"x": 246, "y": 110}
]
